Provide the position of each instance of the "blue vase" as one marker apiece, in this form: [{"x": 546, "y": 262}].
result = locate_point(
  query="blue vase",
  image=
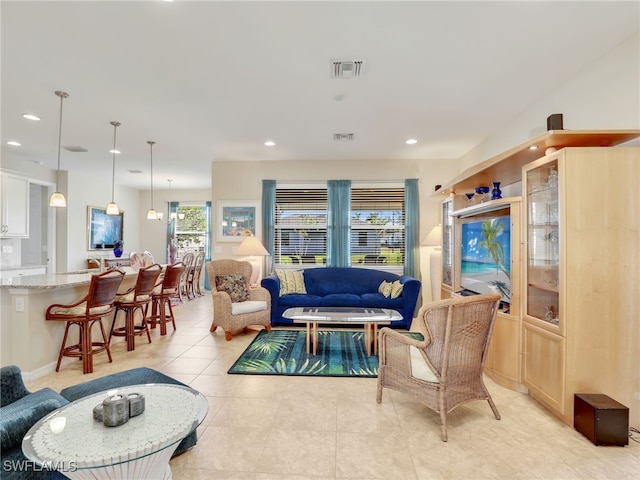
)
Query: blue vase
[
  {"x": 117, "y": 252},
  {"x": 496, "y": 193}
]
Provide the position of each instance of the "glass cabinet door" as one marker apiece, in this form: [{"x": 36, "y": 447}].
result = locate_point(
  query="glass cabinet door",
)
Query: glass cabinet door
[
  {"x": 447, "y": 242},
  {"x": 543, "y": 243}
]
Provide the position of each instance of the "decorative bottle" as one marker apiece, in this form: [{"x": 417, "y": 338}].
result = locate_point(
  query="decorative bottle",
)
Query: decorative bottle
[{"x": 496, "y": 193}]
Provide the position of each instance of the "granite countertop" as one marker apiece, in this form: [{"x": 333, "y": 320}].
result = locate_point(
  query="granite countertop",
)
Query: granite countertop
[
  {"x": 26, "y": 267},
  {"x": 52, "y": 281}
]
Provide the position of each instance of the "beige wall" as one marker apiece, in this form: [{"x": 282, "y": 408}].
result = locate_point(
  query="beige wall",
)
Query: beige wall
[{"x": 242, "y": 181}]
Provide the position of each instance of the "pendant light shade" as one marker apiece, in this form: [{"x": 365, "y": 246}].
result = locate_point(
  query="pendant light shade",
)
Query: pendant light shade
[
  {"x": 112, "y": 208},
  {"x": 151, "y": 213},
  {"x": 57, "y": 199}
]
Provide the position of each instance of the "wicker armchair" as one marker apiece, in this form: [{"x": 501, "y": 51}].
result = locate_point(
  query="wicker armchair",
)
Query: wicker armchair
[
  {"x": 445, "y": 369},
  {"x": 235, "y": 317}
]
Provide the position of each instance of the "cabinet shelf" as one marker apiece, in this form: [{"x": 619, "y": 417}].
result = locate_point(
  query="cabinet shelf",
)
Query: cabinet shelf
[
  {"x": 485, "y": 207},
  {"x": 544, "y": 286}
]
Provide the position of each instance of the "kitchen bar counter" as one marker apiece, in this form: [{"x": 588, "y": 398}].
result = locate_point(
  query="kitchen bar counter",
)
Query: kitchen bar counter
[{"x": 27, "y": 339}]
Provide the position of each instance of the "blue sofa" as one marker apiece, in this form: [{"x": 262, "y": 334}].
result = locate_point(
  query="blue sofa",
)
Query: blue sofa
[
  {"x": 20, "y": 409},
  {"x": 344, "y": 287}
]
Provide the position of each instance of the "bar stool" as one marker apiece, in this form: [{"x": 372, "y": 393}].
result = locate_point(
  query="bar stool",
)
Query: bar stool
[
  {"x": 85, "y": 313},
  {"x": 187, "y": 260},
  {"x": 137, "y": 297},
  {"x": 161, "y": 298}
]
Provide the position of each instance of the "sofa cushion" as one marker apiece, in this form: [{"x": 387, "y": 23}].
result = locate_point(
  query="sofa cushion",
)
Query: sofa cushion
[
  {"x": 235, "y": 285},
  {"x": 385, "y": 288},
  {"x": 396, "y": 289},
  {"x": 291, "y": 281},
  {"x": 377, "y": 300},
  {"x": 341, "y": 300},
  {"x": 297, "y": 300},
  {"x": 12, "y": 387},
  {"x": 18, "y": 417}
]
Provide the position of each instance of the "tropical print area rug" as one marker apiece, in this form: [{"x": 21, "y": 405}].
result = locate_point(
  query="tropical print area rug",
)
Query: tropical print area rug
[{"x": 284, "y": 352}]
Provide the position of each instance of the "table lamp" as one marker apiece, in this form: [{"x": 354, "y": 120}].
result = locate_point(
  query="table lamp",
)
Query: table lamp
[
  {"x": 434, "y": 240},
  {"x": 252, "y": 248}
]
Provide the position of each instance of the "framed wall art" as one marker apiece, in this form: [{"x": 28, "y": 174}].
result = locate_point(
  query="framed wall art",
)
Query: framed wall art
[
  {"x": 237, "y": 220},
  {"x": 103, "y": 230}
]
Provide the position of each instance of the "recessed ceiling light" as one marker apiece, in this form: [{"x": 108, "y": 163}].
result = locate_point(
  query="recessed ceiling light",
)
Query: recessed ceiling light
[
  {"x": 13, "y": 144},
  {"x": 533, "y": 147},
  {"x": 411, "y": 141},
  {"x": 30, "y": 116},
  {"x": 270, "y": 143},
  {"x": 114, "y": 151}
]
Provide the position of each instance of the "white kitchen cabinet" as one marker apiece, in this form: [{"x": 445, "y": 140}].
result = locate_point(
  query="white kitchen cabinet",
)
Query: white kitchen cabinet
[{"x": 14, "y": 206}]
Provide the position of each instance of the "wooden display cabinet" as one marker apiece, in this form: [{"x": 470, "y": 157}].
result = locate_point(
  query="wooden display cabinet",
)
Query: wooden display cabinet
[
  {"x": 581, "y": 277},
  {"x": 503, "y": 356},
  {"x": 453, "y": 202}
]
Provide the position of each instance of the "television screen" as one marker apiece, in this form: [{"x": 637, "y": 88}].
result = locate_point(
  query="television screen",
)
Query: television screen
[{"x": 486, "y": 256}]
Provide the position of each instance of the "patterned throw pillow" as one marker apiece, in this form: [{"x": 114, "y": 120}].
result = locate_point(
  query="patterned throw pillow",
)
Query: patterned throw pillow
[
  {"x": 396, "y": 289},
  {"x": 385, "y": 288},
  {"x": 234, "y": 285},
  {"x": 291, "y": 281}
]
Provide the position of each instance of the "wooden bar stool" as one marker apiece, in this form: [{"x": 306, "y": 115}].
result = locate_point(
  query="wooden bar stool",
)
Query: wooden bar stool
[
  {"x": 137, "y": 297},
  {"x": 161, "y": 298},
  {"x": 90, "y": 309}
]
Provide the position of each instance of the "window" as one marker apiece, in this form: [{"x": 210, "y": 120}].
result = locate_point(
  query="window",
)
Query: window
[
  {"x": 377, "y": 226},
  {"x": 192, "y": 230},
  {"x": 301, "y": 226}
]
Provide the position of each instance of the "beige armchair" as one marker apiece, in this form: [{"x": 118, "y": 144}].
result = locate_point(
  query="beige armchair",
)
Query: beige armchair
[
  {"x": 235, "y": 317},
  {"x": 445, "y": 369}
]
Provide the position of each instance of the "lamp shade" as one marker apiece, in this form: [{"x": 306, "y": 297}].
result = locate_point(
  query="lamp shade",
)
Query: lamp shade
[
  {"x": 251, "y": 246},
  {"x": 57, "y": 200},
  {"x": 434, "y": 238}
]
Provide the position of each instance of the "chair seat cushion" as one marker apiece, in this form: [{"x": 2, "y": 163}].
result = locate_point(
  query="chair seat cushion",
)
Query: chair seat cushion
[
  {"x": 419, "y": 368},
  {"x": 248, "y": 306},
  {"x": 159, "y": 290},
  {"x": 79, "y": 310},
  {"x": 128, "y": 298}
]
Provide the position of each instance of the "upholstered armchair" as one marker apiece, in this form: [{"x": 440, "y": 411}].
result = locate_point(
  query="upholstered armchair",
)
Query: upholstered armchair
[
  {"x": 235, "y": 305},
  {"x": 444, "y": 370}
]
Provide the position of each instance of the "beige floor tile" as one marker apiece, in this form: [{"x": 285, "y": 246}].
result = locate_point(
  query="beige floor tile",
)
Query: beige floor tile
[
  {"x": 262, "y": 427},
  {"x": 299, "y": 452}
]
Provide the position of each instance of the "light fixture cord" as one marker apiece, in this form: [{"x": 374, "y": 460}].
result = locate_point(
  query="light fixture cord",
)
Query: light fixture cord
[
  {"x": 151, "y": 152},
  {"x": 62, "y": 95},
  {"x": 113, "y": 178}
]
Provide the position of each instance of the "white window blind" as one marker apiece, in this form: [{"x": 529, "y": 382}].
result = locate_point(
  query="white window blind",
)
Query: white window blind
[
  {"x": 301, "y": 226},
  {"x": 377, "y": 226}
]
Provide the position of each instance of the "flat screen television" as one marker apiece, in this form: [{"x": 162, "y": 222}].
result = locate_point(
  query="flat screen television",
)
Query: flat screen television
[{"x": 486, "y": 256}]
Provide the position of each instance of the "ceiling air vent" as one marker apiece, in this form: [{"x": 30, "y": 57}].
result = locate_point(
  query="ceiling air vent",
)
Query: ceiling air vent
[
  {"x": 347, "y": 68},
  {"x": 76, "y": 149},
  {"x": 342, "y": 137}
]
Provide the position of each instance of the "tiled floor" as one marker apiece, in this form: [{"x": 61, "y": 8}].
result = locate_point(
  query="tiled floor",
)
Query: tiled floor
[{"x": 263, "y": 427}]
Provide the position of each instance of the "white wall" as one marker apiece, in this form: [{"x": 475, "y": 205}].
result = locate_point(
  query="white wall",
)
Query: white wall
[
  {"x": 604, "y": 96},
  {"x": 85, "y": 191},
  {"x": 242, "y": 181}
]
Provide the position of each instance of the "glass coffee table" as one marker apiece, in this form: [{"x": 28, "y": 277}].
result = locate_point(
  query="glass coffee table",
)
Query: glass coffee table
[
  {"x": 370, "y": 317},
  {"x": 71, "y": 441}
]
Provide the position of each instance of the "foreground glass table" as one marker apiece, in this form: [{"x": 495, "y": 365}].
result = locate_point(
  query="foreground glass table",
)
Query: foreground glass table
[
  {"x": 370, "y": 317},
  {"x": 69, "y": 440}
]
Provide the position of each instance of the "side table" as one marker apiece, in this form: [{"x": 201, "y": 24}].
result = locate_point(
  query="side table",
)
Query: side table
[{"x": 69, "y": 440}]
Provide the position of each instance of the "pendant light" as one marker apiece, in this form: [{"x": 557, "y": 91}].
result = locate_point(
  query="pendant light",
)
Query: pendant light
[
  {"x": 57, "y": 199},
  {"x": 151, "y": 213},
  {"x": 112, "y": 208}
]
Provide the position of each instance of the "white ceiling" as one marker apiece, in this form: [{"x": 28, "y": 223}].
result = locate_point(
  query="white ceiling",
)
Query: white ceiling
[{"x": 213, "y": 80}]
